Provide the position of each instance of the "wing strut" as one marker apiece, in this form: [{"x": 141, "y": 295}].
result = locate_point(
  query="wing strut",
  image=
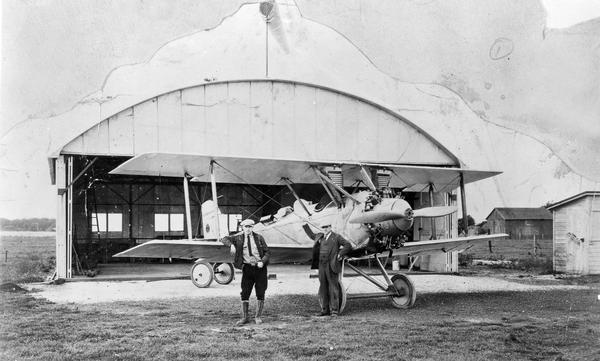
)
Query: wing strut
[
  {"x": 463, "y": 198},
  {"x": 367, "y": 179},
  {"x": 213, "y": 186},
  {"x": 188, "y": 214},
  {"x": 333, "y": 198},
  {"x": 433, "y": 230},
  {"x": 326, "y": 179},
  {"x": 288, "y": 183}
]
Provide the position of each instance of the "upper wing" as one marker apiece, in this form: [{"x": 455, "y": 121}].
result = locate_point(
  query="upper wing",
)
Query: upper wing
[
  {"x": 268, "y": 171},
  {"x": 422, "y": 248},
  {"x": 211, "y": 251}
]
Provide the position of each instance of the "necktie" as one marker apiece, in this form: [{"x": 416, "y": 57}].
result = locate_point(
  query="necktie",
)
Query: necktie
[{"x": 249, "y": 246}]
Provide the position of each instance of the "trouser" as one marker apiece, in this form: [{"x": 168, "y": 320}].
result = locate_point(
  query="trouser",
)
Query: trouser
[
  {"x": 252, "y": 276},
  {"x": 329, "y": 289}
]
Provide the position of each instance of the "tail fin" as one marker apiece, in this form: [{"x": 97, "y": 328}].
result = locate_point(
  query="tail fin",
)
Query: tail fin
[{"x": 210, "y": 221}]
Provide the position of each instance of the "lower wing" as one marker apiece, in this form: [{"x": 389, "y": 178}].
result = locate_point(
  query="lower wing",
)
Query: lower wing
[
  {"x": 211, "y": 251},
  {"x": 423, "y": 248}
]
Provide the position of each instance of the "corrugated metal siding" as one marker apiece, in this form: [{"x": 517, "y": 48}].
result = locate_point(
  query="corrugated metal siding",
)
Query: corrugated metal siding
[{"x": 266, "y": 119}]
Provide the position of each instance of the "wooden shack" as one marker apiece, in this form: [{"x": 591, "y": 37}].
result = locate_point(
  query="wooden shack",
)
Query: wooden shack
[
  {"x": 576, "y": 236},
  {"x": 521, "y": 223}
]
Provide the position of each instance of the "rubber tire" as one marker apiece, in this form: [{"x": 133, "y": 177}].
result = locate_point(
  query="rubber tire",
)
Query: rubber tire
[
  {"x": 343, "y": 296},
  {"x": 202, "y": 274},
  {"x": 223, "y": 273},
  {"x": 403, "y": 283}
]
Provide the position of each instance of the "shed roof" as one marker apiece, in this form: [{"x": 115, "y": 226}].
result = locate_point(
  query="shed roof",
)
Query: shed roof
[
  {"x": 573, "y": 198},
  {"x": 539, "y": 213}
]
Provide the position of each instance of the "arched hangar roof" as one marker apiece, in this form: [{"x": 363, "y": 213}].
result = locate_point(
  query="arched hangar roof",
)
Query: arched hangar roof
[{"x": 263, "y": 118}]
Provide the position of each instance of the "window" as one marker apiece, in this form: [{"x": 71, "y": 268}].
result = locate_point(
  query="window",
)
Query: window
[
  {"x": 229, "y": 221},
  {"x": 107, "y": 222},
  {"x": 161, "y": 222},
  {"x": 168, "y": 222}
]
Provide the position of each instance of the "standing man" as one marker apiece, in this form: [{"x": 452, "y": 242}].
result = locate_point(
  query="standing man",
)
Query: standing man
[
  {"x": 251, "y": 255},
  {"x": 329, "y": 250}
]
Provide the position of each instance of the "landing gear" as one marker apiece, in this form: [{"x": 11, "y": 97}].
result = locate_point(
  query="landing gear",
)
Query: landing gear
[
  {"x": 343, "y": 294},
  {"x": 203, "y": 273},
  {"x": 405, "y": 292},
  {"x": 223, "y": 273},
  {"x": 399, "y": 288}
]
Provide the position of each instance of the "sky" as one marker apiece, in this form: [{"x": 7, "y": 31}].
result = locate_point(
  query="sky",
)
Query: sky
[{"x": 565, "y": 13}]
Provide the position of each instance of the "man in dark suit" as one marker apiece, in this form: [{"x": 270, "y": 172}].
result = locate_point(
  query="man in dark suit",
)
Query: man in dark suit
[
  {"x": 328, "y": 251},
  {"x": 251, "y": 255}
]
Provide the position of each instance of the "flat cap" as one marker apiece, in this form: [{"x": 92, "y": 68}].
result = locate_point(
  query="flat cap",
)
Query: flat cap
[{"x": 247, "y": 222}]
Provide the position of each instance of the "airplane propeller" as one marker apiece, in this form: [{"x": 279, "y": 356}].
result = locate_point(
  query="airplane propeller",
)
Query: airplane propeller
[
  {"x": 380, "y": 216},
  {"x": 430, "y": 212},
  {"x": 376, "y": 216}
]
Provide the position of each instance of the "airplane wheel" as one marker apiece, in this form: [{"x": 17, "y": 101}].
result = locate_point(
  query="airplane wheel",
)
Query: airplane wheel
[
  {"x": 342, "y": 295},
  {"x": 342, "y": 299},
  {"x": 202, "y": 274},
  {"x": 223, "y": 273},
  {"x": 406, "y": 289}
]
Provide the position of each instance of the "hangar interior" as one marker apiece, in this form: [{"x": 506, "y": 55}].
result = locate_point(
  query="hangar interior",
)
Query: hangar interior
[
  {"x": 111, "y": 213},
  {"x": 100, "y": 214}
]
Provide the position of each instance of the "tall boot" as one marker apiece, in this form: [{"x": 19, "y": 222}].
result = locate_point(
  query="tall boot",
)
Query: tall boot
[
  {"x": 245, "y": 319},
  {"x": 259, "y": 309}
]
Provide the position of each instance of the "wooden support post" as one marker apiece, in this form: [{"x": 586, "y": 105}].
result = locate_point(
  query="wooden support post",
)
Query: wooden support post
[
  {"x": 69, "y": 243},
  {"x": 61, "y": 217}
]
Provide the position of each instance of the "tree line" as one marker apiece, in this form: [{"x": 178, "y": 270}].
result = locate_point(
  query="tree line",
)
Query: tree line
[{"x": 28, "y": 224}]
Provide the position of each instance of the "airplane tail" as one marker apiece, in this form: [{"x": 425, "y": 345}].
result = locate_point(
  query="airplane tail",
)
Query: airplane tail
[{"x": 210, "y": 221}]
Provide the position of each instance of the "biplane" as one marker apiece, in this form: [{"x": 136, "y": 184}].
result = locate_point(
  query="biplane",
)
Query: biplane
[{"x": 372, "y": 217}]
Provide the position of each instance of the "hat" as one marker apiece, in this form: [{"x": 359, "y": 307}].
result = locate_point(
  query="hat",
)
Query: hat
[{"x": 247, "y": 222}]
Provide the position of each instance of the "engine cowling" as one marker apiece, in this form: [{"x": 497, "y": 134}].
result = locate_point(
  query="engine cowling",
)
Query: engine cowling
[{"x": 399, "y": 225}]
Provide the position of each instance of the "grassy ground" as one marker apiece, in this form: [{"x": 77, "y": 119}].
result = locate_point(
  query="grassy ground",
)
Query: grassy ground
[
  {"x": 556, "y": 325},
  {"x": 26, "y": 258},
  {"x": 551, "y": 325}
]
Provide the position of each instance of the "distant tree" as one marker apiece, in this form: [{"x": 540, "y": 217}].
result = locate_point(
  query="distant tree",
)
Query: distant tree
[
  {"x": 28, "y": 224},
  {"x": 470, "y": 222}
]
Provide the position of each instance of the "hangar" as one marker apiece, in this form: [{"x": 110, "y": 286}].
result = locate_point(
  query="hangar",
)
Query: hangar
[{"x": 266, "y": 113}]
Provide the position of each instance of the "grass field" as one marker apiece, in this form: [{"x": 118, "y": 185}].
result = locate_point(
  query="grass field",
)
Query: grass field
[
  {"x": 26, "y": 258},
  {"x": 550, "y": 325},
  {"x": 557, "y": 325}
]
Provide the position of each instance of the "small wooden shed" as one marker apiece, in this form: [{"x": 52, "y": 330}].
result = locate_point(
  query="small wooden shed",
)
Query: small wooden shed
[
  {"x": 521, "y": 223},
  {"x": 576, "y": 238}
]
